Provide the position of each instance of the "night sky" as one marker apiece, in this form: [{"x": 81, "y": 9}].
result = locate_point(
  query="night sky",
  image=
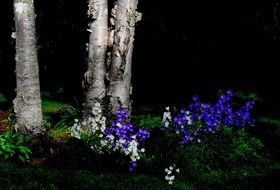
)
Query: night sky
[{"x": 181, "y": 49}]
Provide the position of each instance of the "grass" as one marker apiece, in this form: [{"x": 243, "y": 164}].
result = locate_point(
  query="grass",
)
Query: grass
[
  {"x": 60, "y": 134},
  {"x": 14, "y": 177},
  {"x": 51, "y": 107}
]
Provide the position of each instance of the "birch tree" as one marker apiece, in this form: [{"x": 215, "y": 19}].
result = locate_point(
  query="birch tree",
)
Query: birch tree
[
  {"x": 116, "y": 94},
  {"x": 97, "y": 47},
  {"x": 27, "y": 104},
  {"x": 124, "y": 17}
]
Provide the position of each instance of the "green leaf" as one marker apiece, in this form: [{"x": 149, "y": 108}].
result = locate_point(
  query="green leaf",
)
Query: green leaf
[
  {"x": 24, "y": 150},
  {"x": 22, "y": 158},
  {"x": 6, "y": 156}
]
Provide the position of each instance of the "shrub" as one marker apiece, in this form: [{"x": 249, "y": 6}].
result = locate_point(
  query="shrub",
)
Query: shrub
[
  {"x": 13, "y": 145},
  {"x": 209, "y": 143}
]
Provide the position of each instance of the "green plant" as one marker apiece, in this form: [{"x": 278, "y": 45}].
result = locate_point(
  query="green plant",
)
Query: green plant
[
  {"x": 13, "y": 144},
  {"x": 147, "y": 121},
  {"x": 270, "y": 121},
  {"x": 51, "y": 107},
  {"x": 47, "y": 121},
  {"x": 60, "y": 134},
  {"x": 67, "y": 116},
  {"x": 225, "y": 156},
  {"x": 221, "y": 158},
  {"x": 10, "y": 119},
  {"x": 2, "y": 98},
  {"x": 58, "y": 115},
  {"x": 248, "y": 96}
]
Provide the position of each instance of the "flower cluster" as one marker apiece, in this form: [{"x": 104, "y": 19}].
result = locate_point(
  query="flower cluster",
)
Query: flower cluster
[
  {"x": 120, "y": 136},
  {"x": 169, "y": 177},
  {"x": 222, "y": 113},
  {"x": 166, "y": 120},
  {"x": 205, "y": 117},
  {"x": 123, "y": 137},
  {"x": 94, "y": 126}
]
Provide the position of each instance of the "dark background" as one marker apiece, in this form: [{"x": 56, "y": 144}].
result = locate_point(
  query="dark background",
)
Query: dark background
[{"x": 181, "y": 48}]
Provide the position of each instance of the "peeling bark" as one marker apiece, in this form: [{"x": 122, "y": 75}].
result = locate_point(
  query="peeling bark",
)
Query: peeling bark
[
  {"x": 124, "y": 17},
  {"x": 97, "y": 47},
  {"x": 27, "y": 104}
]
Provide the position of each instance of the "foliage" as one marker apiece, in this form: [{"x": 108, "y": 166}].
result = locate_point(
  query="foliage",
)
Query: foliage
[
  {"x": 269, "y": 132},
  {"x": 13, "y": 144},
  {"x": 223, "y": 157},
  {"x": 209, "y": 143},
  {"x": 10, "y": 119},
  {"x": 58, "y": 115},
  {"x": 2, "y": 98},
  {"x": 270, "y": 121},
  {"x": 60, "y": 134},
  {"x": 147, "y": 121}
]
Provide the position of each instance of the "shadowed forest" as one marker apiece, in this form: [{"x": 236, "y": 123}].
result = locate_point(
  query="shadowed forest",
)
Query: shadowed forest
[{"x": 206, "y": 61}]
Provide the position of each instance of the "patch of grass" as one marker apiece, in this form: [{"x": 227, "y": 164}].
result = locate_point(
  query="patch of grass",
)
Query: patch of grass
[
  {"x": 51, "y": 107},
  {"x": 60, "y": 134},
  {"x": 14, "y": 177}
]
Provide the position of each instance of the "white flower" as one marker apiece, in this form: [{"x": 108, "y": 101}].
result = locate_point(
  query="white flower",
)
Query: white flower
[
  {"x": 168, "y": 172},
  {"x": 178, "y": 170},
  {"x": 76, "y": 120},
  {"x": 171, "y": 167},
  {"x": 97, "y": 104},
  {"x": 170, "y": 182},
  {"x": 94, "y": 112},
  {"x": 172, "y": 177}
]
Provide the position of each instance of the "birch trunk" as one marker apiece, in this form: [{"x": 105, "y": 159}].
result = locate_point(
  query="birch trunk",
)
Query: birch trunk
[
  {"x": 97, "y": 47},
  {"x": 124, "y": 17},
  {"x": 27, "y": 104}
]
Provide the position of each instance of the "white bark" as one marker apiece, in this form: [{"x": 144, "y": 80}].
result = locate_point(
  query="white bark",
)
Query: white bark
[
  {"x": 27, "y": 104},
  {"x": 124, "y": 18},
  {"x": 97, "y": 47}
]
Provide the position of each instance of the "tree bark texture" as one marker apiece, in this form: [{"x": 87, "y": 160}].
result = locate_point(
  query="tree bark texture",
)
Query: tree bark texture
[
  {"x": 27, "y": 104},
  {"x": 124, "y": 17},
  {"x": 97, "y": 47}
]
